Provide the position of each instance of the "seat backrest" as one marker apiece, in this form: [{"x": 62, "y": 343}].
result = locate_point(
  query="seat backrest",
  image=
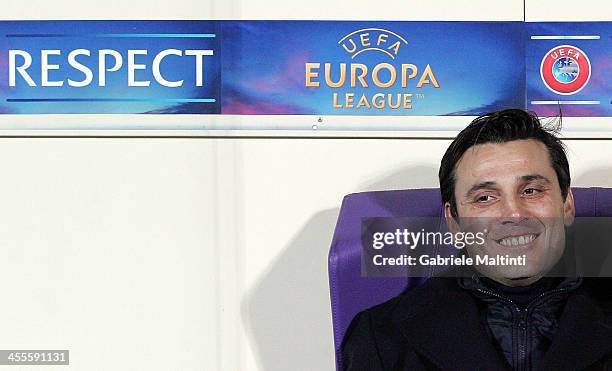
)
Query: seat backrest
[{"x": 351, "y": 293}]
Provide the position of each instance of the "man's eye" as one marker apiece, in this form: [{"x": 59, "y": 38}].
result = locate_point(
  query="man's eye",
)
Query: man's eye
[
  {"x": 484, "y": 198},
  {"x": 531, "y": 191}
]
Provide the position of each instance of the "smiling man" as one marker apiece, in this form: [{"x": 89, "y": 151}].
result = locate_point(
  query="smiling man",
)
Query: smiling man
[
  {"x": 518, "y": 190},
  {"x": 509, "y": 176}
]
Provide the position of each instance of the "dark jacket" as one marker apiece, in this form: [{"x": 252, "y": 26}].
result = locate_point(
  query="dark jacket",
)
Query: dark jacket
[
  {"x": 522, "y": 320},
  {"x": 438, "y": 326}
]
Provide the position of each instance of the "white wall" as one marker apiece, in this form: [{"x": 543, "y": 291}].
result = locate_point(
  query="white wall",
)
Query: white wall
[
  {"x": 198, "y": 253},
  {"x": 191, "y": 254}
]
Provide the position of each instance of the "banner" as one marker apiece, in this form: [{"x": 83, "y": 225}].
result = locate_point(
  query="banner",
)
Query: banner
[
  {"x": 569, "y": 68},
  {"x": 304, "y": 67}
]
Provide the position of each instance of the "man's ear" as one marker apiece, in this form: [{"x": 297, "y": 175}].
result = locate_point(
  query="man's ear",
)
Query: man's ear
[
  {"x": 450, "y": 220},
  {"x": 569, "y": 210}
]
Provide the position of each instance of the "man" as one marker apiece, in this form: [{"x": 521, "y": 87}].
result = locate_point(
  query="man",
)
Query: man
[{"x": 509, "y": 174}]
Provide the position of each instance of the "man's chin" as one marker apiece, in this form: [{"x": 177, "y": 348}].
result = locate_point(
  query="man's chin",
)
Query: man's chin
[{"x": 515, "y": 276}]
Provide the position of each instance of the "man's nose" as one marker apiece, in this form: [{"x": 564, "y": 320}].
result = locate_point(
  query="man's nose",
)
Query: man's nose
[{"x": 514, "y": 210}]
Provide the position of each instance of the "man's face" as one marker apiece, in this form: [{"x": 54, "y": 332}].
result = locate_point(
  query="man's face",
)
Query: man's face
[{"x": 511, "y": 191}]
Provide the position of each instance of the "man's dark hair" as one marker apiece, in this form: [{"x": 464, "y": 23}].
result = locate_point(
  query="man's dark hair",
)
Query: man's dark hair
[{"x": 501, "y": 127}]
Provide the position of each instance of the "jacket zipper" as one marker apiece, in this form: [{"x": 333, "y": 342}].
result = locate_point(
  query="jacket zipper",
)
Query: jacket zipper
[
  {"x": 522, "y": 325},
  {"x": 520, "y": 345}
]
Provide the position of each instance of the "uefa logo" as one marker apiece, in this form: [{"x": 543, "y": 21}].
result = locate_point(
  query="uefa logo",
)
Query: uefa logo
[{"x": 565, "y": 70}]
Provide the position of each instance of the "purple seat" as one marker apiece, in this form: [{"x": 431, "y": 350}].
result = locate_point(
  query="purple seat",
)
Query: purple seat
[{"x": 352, "y": 293}]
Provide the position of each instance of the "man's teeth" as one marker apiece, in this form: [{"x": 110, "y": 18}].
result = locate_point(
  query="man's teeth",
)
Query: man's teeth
[{"x": 518, "y": 240}]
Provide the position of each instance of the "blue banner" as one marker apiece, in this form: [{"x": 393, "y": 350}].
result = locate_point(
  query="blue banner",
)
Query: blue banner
[
  {"x": 372, "y": 68},
  {"x": 569, "y": 68},
  {"x": 304, "y": 67},
  {"x": 110, "y": 67}
]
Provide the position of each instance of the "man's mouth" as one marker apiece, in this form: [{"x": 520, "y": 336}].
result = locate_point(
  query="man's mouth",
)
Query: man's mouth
[{"x": 516, "y": 241}]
